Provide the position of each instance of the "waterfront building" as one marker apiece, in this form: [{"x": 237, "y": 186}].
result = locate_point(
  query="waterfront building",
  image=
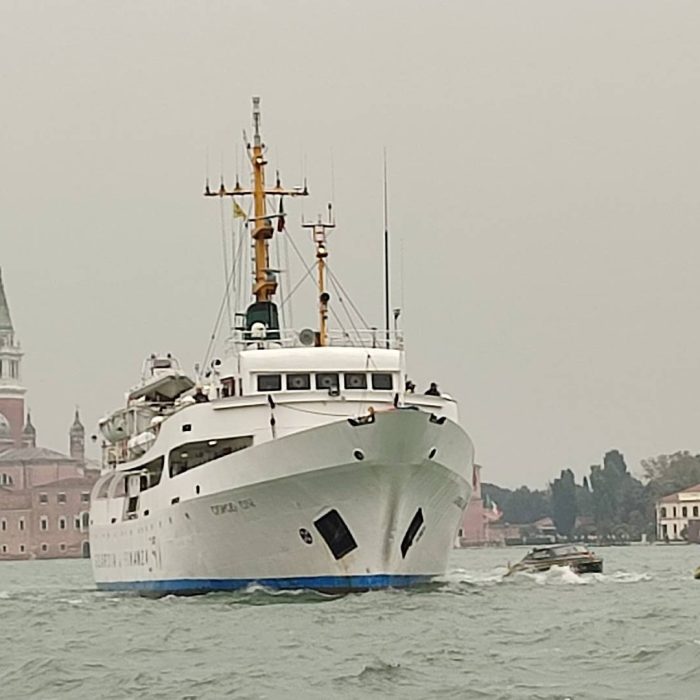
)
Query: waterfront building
[
  {"x": 479, "y": 521},
  {"x": 44, "y": 494},
  {"x": 678, "y": 515}
]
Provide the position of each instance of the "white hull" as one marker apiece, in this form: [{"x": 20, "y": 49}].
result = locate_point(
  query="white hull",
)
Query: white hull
[{"x": 250, "y": 516}]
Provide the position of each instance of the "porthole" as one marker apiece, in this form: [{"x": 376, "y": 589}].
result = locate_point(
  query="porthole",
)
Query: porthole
[
  {"x": 358, "y": 455},
  {"x": 432, "y": 453}
]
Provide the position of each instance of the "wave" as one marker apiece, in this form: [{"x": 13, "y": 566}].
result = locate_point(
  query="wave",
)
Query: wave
[{"x": 556, "y": 575}]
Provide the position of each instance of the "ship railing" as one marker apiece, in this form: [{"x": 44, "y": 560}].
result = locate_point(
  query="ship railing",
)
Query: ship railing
[{"x": 290, "y": 338}]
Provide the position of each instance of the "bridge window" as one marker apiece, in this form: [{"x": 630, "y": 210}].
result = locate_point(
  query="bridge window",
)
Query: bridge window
[
  {"x": 152, "y": 472},
  {"x": 269, "y": 382},
  {"x": 355, "y": 380},
  {"x": 5, "y": 480},
  {"x": 327, "y": 380},
  {"x": 383, "y": 381},
  {"x": 299, "y": 382},
  {"x": 194, "y": 454}
]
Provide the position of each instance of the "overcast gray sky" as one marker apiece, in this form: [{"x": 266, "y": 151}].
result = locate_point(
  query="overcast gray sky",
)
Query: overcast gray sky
[{"x": 544, "y": 165}]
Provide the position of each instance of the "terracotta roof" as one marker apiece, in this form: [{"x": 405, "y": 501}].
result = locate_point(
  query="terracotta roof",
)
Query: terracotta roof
[
  {"x": 673, "y": 497},
  {"x": 64, "y": 483},
  {"x": 33, "y": 454}
]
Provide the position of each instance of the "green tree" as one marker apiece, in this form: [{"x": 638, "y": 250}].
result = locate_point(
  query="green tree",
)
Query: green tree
[
  {"x": 564, "y": 503},
  {"x": 670, "y": 473}
]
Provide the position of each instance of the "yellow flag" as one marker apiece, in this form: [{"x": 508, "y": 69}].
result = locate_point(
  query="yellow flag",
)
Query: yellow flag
[{"x": 238, "y": 213}]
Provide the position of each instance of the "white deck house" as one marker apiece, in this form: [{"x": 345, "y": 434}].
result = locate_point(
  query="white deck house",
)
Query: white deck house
[{"x": 676, "y": 512}]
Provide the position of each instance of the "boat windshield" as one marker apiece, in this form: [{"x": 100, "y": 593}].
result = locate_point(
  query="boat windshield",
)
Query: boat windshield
[
  {"x": 565, "y": 550},
  {"x": 568, "y": 550}
]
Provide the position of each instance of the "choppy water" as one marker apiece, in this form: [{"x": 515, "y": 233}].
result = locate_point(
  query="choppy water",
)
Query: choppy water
[{"x": 632, "y": 632}]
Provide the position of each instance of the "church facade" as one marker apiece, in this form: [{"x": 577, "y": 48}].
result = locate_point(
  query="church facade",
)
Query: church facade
[{"x": 44, "y": 494}]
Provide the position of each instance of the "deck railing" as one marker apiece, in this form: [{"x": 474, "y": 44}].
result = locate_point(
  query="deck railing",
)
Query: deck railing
[{"x": 290, "y": 338}]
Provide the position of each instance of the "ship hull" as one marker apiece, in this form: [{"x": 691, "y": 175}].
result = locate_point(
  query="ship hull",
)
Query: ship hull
[{"x": 335, "y": 508}]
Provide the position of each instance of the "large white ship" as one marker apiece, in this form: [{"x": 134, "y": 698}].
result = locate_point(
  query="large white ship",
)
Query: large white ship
[{"x": 301, "y": 460}]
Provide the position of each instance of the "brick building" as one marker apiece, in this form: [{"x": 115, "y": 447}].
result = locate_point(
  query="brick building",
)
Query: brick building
[{"x": 44, "y": 494}]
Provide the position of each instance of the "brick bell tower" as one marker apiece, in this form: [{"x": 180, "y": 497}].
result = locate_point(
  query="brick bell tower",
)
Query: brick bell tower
[{"x": 11, "y": 390}]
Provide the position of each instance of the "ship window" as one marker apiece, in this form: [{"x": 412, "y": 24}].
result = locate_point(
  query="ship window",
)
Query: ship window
[
  {"x": 4, "y": 549},
  {"x": 21, "y": 549},
  {"x": 327, "y": 380},
  {"x": 228, "y": 387},
  {"x": 685, "y": 512},
  {"x": 120, "y": 486},
  {"x": 150, "y": 473},
  {"x": 44, "y": 522},
  {"x": 21, "y": 524},
  {"x": 102, "y": 486},
  {"x": 695, "y": 511},
  {"x": 355, "y": 380},
  {"x": 61, "y": 523},
  {"x": 336, "y": 534},
  {"x": 85, "y": 496},
  {"x": 382, "y": 381},
  {"x": 62, "y": 547},
  {"x": 44, "y": 547},
  {"x": 663, "y": 512},
  {"x": 298, "y": 382},
  {"x": 61, "y": 498},
  {"x": 43, "y": 498},
  {"x": 194, "y": 454},
  {"x": 269, "y": 382},
  {"x": 411, "y": 532}
]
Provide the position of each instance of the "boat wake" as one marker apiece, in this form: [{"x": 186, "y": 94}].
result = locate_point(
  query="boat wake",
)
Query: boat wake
[{"x": 556, "y": 576}]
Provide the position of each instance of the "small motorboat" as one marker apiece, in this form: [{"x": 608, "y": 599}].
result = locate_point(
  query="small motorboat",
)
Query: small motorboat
[{"x": 577, "y": 557}]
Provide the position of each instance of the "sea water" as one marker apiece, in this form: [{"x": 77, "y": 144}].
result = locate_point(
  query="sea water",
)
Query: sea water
[{"x": 631, "y": 632}]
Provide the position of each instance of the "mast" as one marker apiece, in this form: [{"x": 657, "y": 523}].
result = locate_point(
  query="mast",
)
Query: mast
[
  {"x": 319, "y": 233},
  {"x": 386, "y": 257},
  {"x": 261, "y": 228},
  {"x": 265, "y": 284}
]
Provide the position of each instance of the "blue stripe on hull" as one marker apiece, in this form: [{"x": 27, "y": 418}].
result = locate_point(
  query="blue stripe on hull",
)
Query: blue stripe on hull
[{"x": 336, "y": 584}]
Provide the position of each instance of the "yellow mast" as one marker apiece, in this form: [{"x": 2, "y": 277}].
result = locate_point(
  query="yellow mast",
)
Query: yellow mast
[
  {"x": 319, "y": 234},
  {"x": 262, "y": 231}
]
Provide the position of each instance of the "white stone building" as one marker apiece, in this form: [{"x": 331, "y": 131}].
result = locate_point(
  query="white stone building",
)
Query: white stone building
[{"x": 678, "y": 514}]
